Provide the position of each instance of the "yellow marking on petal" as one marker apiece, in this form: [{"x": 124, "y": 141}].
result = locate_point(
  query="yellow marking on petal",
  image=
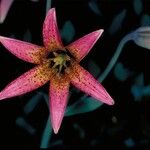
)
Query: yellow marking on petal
[{"x": 53, "y": 45}]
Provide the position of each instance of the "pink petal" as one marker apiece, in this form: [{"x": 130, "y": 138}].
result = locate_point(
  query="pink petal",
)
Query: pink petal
[
  {"x": 83, "y": 80},
  {"x": 51, "y": 34},
  {"x": 82, "y": 46},
  {"x": 27, "y": 82},
  {"x": 4, "y": 8},
  {"x": 23, "y": 50},
  {"x": 58, "y": 101}
]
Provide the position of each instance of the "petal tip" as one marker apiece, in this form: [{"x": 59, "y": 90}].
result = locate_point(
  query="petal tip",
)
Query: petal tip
[
  {"x": 1, "y": 37},
  {"x": 100, "y": 31},
  {"x": 110, "y": 101},
  {"x": 52, "y": 10},
  {"x": 56, "y": 130},
  {"x": 56, "y": 127}
]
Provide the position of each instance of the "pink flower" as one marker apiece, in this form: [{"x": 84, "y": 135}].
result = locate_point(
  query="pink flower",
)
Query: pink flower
[
  {"x": 4, "y": 8},
  {"x": 58, "y": 64}
]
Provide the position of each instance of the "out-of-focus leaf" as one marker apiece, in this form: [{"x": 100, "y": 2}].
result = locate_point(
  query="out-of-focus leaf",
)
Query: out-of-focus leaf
[
  {"x": 138, "y": 6},
  {"x": 47, "y": 133},
  {"x": 27, "y": 36},
  {"x": 83, "y": 106},
  {"x": 93, "y": 6},
  {"x": 136, "y": 92},
  {"x": 117, "y": 22},
  {"x": 129, "y": 143},
  {"x": 46, "y": 98},
  {"x": 137, "y": 87},
  {"x": 68, "y": 31},
  {"x": 93, "y": 68},
  {"x": 21, "y": 122},
  {"x": 145, "y": 20},
  {"x": 146, "y": 90},
  {"x": 29, "y": 107},
  {"x": 56, "y": 143},
  {"x": 139, "y": 80},
  {"x": 80, "y": 131},
  {"x": 120, "y": 72}
]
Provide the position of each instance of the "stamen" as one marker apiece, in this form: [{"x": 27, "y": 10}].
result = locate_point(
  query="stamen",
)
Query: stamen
[{"x": 59, "y": 61}]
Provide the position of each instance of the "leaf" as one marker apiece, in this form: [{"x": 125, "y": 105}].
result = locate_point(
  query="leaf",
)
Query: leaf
[
  {"x": 120, "y": 72},
  {"x": 46, "y": 98},
  {"x": 139, "y": 80},
  {"x": 27, "y": 36},
  {"x": 136, "y": 92},
  {"x": 79, "y": 131},
  {"x": 56, "y": 143},
  {"x": 146, "y": 90},
  {"x": 83, "y": 105},
  {"x": 93, "y": 68},
  {"x": 145, "y": 20},
  {"x": 137, "y": 87},
  {"x": 29, "y": 107},
  {"x": 117, "y": 22},
  {"x": 93, "y": 6},
  {"x": 68, "y": 31},
  {"x": 21, "y": 122},
  {"x": 46, "y": 136},
  {"x": 129, "y": 143},
  {"x": 138, "y": 6}
]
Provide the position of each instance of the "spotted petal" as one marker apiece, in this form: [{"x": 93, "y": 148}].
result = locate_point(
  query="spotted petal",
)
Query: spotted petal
[
  {"x": 83, "y": 80},
  {"x": 81, "y": 47},
  {"x": 51, "y": 36},
  {"x": 27, "y": 82},
  {"x": 24, "y": 50},
  {"x": 58, "y": 101},
  {"x": 4, "y": 8}
]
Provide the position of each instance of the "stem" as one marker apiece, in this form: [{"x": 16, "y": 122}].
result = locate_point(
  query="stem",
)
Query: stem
[
  {"x": 47, "y": 133},
  {"x": 48, "y": 5},
  {"x": 115, "y": 57}
]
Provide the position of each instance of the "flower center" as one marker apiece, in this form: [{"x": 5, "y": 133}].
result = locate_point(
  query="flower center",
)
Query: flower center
[{"x": 59, "y": 61}]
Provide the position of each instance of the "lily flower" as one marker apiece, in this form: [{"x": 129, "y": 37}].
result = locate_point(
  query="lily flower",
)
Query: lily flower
[{"x": 55, "y": 63}]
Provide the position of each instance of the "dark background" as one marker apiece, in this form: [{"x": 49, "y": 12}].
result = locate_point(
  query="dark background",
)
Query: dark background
[{"x": 126, "y": 125}]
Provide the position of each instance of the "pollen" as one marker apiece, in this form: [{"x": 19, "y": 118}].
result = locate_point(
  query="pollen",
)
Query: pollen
[{"x": 59, "y": 62}]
